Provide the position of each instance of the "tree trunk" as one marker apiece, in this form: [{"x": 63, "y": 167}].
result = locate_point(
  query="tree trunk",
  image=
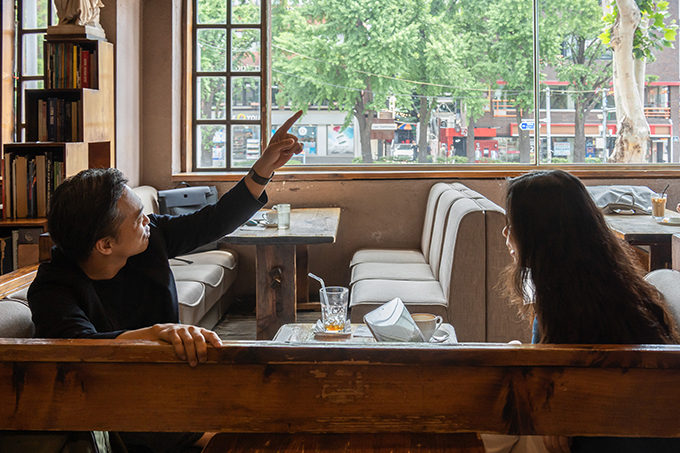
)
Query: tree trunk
[
  {"x": 579, "y": 154},
  {"x": 365, "y": 120},
  {"x": 633, "y": 133},
  {"x": 470, "y": 145},
  {"x": 424, "y": 116},
  {"x": 524, "y": 139}
]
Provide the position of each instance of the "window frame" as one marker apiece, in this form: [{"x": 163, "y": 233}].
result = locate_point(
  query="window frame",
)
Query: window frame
[
  {"x": 190, "y": 159},
  {"x": 20, "y": 78},
  {"x": 190, "y": 172}
]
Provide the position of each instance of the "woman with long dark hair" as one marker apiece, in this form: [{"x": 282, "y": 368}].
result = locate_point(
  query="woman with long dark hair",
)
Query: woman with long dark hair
[{"x": 581, "y": 282}]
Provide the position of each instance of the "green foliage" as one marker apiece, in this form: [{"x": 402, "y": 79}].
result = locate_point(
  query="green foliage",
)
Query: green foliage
[
  {"x": 358, "y": 160},
  {"x": 655, "y": 32},
  {"x": 593, "y": 160},
  {"x": 559, "y": 160}
]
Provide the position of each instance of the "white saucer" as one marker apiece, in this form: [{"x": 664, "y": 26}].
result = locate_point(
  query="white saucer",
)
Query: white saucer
[{"x": 672, "y": 220}]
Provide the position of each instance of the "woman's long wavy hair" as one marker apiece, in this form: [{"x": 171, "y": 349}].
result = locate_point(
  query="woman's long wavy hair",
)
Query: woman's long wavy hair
[{"x": 588, "y": 286}]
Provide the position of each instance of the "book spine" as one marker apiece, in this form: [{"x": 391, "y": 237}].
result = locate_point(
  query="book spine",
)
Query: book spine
[
  {"x": 49, "y": 183},
  {"x": 68, "y": 127},
  {"x": 41, "y": 185},
  {"x": 21, "y": 186},
  {"x": 15, "y": 246},
  {"x": 7, "y": 187},
  {"x": 31, "y": 189},
  {"x": 60, "y": 120},
  {"x": 52, "y": 119},
  {"x": 86, "y": 69}
]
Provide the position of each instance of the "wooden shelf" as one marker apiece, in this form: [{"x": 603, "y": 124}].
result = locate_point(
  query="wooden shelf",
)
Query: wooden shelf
[{"x": 24, "y": 223}]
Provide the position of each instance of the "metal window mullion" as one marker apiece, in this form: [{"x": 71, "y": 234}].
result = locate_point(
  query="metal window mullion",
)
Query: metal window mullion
[
  {"x": 537, "y": 84},
  {"x": 227, "y": 96}
]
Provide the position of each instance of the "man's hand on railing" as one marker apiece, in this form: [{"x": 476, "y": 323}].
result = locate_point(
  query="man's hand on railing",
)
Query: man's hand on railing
[{"x": 190, "y": 342}]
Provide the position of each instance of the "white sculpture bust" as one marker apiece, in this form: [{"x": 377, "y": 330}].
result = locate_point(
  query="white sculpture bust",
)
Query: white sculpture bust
[{"x": 79, "y": 12}]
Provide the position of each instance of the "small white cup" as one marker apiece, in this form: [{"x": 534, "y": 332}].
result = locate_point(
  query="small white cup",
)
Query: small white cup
[
  {"x": 272, "y": 217},
  {"x": 427, "y": 323},
  {"x": 283, "y": 211}
]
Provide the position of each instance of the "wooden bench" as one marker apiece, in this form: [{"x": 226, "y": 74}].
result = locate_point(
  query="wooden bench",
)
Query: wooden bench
[{"x": 266, "y": 387}]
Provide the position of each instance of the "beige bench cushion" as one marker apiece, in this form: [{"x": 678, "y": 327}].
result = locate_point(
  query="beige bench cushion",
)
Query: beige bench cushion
[
  {"x": 15, "y": 318},
  {"x": 392, "y": 271},
  {"x": 228, "y": 259},
  {"x": 387, "y": 256},
  {"x": 191, "y": 296},
  {"x": 419, "y": 297},
  {"x": 208, "y": 274}
]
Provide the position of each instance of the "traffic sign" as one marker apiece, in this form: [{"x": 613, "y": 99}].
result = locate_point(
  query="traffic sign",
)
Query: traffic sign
[{"x": 527, "y": 125}]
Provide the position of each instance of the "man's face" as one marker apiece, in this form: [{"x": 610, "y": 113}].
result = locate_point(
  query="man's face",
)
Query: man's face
[{"x": 133, "y": 233}]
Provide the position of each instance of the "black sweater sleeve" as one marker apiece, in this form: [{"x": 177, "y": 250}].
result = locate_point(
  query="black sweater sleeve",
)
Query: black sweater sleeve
[{"x": 184, "y": 233}]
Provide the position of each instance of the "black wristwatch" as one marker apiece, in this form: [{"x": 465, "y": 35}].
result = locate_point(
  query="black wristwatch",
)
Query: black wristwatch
[{"x": 259, "y": 179}]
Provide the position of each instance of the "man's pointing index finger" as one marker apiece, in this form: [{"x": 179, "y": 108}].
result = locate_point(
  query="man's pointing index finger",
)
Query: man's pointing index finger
[{"x": 289, "y": 122}]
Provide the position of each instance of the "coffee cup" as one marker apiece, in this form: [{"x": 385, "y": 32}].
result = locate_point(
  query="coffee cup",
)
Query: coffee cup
[
  {"x": 272, "y": 217},
  {"x": 427, "y": 323},
  {"x": 659, "y": 205}
]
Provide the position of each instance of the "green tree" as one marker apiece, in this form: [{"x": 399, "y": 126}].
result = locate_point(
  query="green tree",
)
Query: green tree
[
  {"x": 634, "y": 29},
  {"x": 434, "y": 60},
  {"x": 470, "y": 22},
  {"x": 511, "y": 23},
  {"x": 580, "y": 63},
  {"x": 339, "y": 51}
]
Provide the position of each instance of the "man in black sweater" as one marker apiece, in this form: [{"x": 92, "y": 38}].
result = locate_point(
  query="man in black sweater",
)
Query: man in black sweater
[{"x": 109, "y": 276}]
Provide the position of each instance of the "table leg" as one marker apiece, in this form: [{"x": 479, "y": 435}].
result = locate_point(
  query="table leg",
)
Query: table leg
[
  {"x": 302, "y": 267},
  {"x": 659, "y": 256},
  {"x": 275, "y": 287}
]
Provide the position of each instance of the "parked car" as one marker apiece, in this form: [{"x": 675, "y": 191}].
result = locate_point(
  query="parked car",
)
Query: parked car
[{"x": 403, "y": 150}]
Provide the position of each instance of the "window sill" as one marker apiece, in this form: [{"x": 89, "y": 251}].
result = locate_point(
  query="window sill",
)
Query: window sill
[{"x": 436, "y": 172}]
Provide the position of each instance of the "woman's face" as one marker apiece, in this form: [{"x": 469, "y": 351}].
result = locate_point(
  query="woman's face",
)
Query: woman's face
[{"x": 510, "y": 241}]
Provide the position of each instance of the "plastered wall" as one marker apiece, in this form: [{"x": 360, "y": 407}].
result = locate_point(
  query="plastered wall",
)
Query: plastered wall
[
  {"x": 379, "y": 214},
  {"x": 375, "y": 213}
]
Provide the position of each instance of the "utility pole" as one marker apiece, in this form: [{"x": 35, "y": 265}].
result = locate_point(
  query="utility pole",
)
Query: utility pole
[
  {"x": 547, "y": 126},
  {"x": 605, "y": 151}
]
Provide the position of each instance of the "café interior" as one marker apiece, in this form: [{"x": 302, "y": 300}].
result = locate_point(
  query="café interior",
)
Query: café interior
[{"x": 270, "y": 394}]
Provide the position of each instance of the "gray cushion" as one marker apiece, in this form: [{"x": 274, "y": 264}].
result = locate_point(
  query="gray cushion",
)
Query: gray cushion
[
  {"x": 208, "y": 274},
  {"x": 387, "y": 256},
  {"x": 392, "y": 271},
  {"x": 667, "y": 281},
  {"x": 419, "y": 297},
  {"x": 15, "y": 319},
  {"x": 225, "y": 258},
  {"x": 191, "y": 296}
]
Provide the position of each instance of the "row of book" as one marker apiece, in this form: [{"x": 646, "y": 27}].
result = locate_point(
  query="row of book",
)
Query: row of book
[
  {"x": 20, "y": 249},
  {"x": 70, "y": 66},
  {"x": 31, "y": 183},
  {"x": 59, "y": 120}
]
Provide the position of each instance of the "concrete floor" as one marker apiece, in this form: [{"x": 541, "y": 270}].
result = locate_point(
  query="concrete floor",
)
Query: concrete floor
[{"x": 238, "y": 325}]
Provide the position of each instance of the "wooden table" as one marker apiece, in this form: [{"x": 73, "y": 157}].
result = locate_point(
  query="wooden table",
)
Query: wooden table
[
  {"x": 304, "y": 333},
  {"x": 281, "y": 266},
  {"x": 644, "y": 230}
]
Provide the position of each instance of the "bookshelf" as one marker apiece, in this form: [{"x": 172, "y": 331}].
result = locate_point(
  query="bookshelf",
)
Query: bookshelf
[{"x": 70, "y": 126}]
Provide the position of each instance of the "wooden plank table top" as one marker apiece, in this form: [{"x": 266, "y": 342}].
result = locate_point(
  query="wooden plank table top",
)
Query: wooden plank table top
[
  {"x": 304, "y": 333},
  {"x": 642, "y": 228},
  {"x": 282, "y": 265},
  {"x": 307, "y": 226},
  {"x": 645, "y": 231}
]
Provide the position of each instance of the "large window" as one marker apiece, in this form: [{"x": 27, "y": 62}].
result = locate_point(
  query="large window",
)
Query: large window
[
  {"x": 228, "y": 71},
  {"x": 33, "y": 18}
]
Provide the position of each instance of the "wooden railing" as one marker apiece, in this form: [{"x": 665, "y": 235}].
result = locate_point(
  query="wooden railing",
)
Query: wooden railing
[
  {"x": 502, "y": 108},
  {"x": 249, "y": 387},
  {"x": 658, "y": 112}
]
